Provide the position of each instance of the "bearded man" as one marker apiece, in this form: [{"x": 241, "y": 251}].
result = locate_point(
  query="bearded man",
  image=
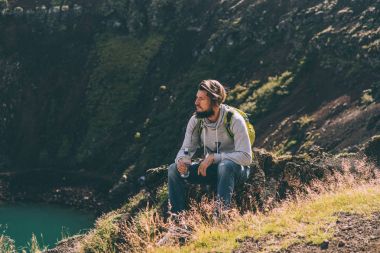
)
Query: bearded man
[{"x": 226, "y": 158}]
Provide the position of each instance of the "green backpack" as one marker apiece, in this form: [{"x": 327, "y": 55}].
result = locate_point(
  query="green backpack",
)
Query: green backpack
[{"x": 227, "y": 123}]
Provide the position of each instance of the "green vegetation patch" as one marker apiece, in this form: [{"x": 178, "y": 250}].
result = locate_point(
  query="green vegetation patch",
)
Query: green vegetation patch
[
  {"x": 114, "y": 85},
  {"x": 266, "y": 97},
  {"x": 367, "y": 97},
  {"x": 103, "y": 238},
  {"x": 299, "y": 137}
]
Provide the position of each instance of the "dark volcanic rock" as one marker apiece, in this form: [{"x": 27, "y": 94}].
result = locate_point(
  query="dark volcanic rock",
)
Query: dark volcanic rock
[{"x": 372, "y": 148}]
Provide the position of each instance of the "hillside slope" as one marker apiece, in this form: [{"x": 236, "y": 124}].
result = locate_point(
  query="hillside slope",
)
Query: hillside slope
[
  {"x": 92, "y": 75},
  {"x": 96, "y": 94}
]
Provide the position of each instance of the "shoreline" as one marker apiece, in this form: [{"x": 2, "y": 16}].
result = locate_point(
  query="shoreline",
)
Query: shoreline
[{"x": 65, "y": 189}]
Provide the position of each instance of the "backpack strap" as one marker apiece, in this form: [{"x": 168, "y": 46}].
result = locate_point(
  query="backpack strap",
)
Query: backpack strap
[
  {"x": 198, "y": 128},
  {"x": 227, "y": 123}
]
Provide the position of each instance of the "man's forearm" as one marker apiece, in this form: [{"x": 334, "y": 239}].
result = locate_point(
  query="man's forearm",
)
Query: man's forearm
[{"x": 239, "y": 157}]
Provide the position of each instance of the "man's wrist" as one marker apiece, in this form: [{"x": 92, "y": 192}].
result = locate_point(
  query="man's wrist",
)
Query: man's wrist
[
  {"x": 217, "y": 158},
  {"x": 211, "y": 159}
]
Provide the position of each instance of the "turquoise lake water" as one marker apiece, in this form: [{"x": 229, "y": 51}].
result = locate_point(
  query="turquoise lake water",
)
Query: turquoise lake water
[{"x": 21, "y": 220}]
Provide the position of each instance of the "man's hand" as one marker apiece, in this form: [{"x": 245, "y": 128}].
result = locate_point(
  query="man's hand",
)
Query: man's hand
[
  {"x": 205, "y": 164},
  {"x": 181, "y": 166}
]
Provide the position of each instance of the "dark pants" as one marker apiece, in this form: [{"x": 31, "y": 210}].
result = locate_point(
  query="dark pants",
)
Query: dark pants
[{"x": 223, "y": 175}]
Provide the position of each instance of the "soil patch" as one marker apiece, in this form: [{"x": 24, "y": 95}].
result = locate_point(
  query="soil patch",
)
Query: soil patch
[{"x": 353, "y": 233}]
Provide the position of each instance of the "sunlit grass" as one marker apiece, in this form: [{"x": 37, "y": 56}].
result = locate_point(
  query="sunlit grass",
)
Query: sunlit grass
[
  {"x": 7, "y": 245},
  {"x": 103, "y": 237},
  {"x": 310, "y": 220},
  {"x": 308, "y": 217}
]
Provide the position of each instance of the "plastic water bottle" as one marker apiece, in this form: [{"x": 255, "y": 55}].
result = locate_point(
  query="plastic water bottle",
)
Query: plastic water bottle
[{"x": 187, "y": 161}]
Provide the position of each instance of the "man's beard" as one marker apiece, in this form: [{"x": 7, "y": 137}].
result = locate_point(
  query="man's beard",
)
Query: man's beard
[{"x": 205, "y": 114}]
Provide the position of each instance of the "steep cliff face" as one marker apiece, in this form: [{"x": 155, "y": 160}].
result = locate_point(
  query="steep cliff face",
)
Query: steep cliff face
[{"x": 108, "y": 86}]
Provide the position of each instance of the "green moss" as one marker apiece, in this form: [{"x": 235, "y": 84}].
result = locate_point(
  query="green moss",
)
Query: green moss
[
  {"x": 309, "y": 138},
  {"x": 299, "y": 138},
  {"x": 286, "y": 147},
  {"x": 162, "y": 195},
  {"x": 114, "y": 85},
  {"x": 265, "y": 98},
  {"x": 303, "y": 122},
  {"x": 367, "y": 97},
  {"x": 290, "y": 144},
  {"x": 134, "y": 202},
  {"x": 241, "y": 92},
  {"x": 65, "y": 148}
]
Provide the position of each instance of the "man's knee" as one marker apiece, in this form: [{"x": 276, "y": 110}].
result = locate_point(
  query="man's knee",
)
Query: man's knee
[
  {"x": 172, "y": 171},
  {"x": 225, "y": 167}
]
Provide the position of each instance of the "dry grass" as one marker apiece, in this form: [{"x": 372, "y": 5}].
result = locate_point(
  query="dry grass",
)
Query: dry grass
[
  {"x": 308, "y": 217},
  {"x": 34, "y": 246},
  {"x": 142, "y": 231},
  {"x": 7, "y": 245},
  {"x": 148, "y": 230}
]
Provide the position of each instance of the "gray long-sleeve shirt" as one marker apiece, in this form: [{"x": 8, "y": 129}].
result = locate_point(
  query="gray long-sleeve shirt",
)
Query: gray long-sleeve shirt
[{"x": 215, "y": 139}]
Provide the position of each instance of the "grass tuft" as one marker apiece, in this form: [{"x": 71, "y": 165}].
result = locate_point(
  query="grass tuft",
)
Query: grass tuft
[
  {"x": 7, "y": 245},
  {"x": 34, "y": 246},
  {"x": 103, "y": 238}
]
